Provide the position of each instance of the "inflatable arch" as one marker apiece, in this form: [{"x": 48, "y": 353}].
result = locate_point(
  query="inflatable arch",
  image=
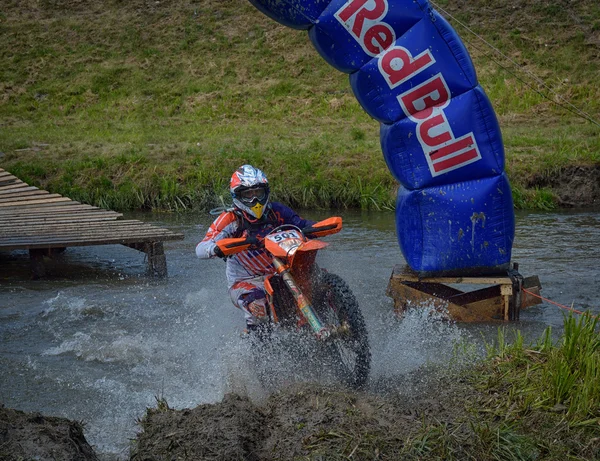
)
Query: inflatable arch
[{"x": 439, "y": 134}]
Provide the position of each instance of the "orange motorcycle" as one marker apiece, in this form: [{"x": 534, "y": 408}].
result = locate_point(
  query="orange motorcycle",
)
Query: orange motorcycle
[{"x": 305, "y": 297}]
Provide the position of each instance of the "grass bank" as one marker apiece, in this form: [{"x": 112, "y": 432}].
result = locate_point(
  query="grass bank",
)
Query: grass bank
[
  {"x": 153, "y": 104},
  {"x": 532, "y": 401}
]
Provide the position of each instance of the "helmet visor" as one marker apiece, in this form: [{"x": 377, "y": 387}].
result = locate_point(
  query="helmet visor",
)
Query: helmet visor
[{"x": 252, "y": 194}]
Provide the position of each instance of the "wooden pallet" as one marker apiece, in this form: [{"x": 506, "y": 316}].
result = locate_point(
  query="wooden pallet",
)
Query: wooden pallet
[
  {"x": 43, "y": 223},
  {"x": 502, "y": 298}
]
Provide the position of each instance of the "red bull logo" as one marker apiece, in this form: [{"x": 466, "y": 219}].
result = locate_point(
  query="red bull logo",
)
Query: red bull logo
[
  {"x": 363, "y": 20},
  {"x": 423, "y": 104}
]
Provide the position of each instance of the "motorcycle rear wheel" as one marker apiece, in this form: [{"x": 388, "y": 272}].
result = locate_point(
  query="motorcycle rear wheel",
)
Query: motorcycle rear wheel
[{"x": 336, "y": 305}]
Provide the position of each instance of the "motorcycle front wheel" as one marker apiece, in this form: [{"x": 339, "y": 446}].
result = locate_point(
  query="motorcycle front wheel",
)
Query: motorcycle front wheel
[{"x": 337, "y": 307}]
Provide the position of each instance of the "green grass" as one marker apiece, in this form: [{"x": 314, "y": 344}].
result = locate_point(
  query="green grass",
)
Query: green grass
[
  {"x": 563, "y": 376},
  {"x": 539, "y": 401},
  {"x": 198, "y": 89}
]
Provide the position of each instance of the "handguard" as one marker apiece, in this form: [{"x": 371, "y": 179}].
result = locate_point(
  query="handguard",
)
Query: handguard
[
  {"x": 326, "y": 227},
  {"x": 231, "y": 246}
]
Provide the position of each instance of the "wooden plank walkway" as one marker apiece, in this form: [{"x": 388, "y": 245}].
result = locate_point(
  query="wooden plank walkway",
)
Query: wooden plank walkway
[{"x": 35, "y": 220}]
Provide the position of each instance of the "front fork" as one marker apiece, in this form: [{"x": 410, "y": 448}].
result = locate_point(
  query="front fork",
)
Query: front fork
[{"x": 304, "y": 306}]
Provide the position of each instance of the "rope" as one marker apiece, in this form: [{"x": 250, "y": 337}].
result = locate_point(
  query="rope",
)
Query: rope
[
  {"x": 559, "y": 305},
  {"x": 567, "y": 105}
]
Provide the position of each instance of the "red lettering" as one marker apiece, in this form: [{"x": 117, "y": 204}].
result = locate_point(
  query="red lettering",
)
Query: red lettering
[
  {"x": 456, "y": 162},
  {"x": 428, "y": 125},
  {"x": 351, "y": 9},
  {"x": 377, "y": 12},
  {"x": 418, "y": 102},
  {"x": 424, "y": 103},
  {"x": 380, "y": 34},
  {"x": 364, "y": 21},
  {"x": 459, "y": 153},
  {"x": 408, "y": 66},
  {"x": 452, "y": 148}
]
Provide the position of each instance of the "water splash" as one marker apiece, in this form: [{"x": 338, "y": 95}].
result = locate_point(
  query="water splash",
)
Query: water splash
[
  {"x": 119, "y": 347},
  {"x": 423, "y": 337}
]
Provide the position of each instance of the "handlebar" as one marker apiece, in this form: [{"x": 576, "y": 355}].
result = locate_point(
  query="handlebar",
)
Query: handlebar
[
  {"x": 231, "y": 246},
  {"x": 312, "y": 229},
  {"x": 326, "y": 227}
]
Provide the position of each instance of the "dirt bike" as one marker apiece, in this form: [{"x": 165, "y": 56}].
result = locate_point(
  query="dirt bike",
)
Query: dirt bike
[{"x": 303, "y": 297}]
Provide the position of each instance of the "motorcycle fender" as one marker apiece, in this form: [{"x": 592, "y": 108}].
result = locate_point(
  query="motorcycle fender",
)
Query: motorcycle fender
[{"x": 310, "y": 246}]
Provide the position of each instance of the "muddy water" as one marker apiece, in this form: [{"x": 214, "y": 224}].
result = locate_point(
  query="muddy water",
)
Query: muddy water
[{"x": 97, "y": 341}]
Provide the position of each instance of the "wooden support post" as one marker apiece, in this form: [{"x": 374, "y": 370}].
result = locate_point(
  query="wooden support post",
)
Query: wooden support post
[
  {"x": 533, "y": 285},
  {"x": 506, "y": 292},
  {"x": 36, "y": 259},
  {"x": 157, "y": 261}
]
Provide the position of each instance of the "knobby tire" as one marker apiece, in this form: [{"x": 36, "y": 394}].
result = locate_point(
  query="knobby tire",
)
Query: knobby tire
[{"x": 333, "y": 298}]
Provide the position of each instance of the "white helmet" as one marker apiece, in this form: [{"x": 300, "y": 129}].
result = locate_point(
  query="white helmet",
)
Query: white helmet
[{"x": 250, "y": 191}]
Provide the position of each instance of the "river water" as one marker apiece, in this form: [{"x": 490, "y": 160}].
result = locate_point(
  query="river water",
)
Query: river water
[{"x": 98, "y": 341}]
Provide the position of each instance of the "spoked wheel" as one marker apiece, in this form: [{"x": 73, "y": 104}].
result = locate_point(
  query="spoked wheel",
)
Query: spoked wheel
[{"x": 337, "y": 307}]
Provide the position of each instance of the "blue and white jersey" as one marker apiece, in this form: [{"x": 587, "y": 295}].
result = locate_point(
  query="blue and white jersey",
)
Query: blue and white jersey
[{"x": 250, "y": 263}]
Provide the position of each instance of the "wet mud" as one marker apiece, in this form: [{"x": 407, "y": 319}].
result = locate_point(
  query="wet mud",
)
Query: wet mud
[
  {"x": 575, "y": 186},
  {"x": 304, "y": 420},
  {"x": 32, "y": 436}
]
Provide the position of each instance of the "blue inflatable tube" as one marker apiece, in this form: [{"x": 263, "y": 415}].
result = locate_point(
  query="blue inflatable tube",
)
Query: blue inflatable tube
[
  {"x": 381, "y": 84},
  {"x": 466, "y": 227},
  {"x": 439, "y": 134},
  {"x": 461, "y": 142},
  {"x": 348, "y": 34}
]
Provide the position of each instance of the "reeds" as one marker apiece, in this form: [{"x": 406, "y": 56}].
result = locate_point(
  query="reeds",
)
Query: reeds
[
  {"x": 529, "y": 402},
  {"x": 562, "y": 376}
]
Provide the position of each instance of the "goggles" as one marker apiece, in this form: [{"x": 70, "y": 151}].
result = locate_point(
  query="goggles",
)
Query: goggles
[{"x": 248, "y": 195}]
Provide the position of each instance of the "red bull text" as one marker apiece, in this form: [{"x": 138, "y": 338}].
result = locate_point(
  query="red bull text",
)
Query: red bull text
[{"x": 423, "y": 104}]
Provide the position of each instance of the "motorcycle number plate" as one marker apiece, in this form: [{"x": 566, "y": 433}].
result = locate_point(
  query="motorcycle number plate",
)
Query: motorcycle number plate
[
  {"x": 284, "y": 235},
  {"x": 288, "y": 240}
]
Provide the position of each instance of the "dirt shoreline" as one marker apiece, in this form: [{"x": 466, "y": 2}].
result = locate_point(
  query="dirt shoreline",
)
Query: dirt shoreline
[
  {"x": 433, "y": 413},
  {"x": 302, "y": 420},
  {"x": 575, "y": 186},
  {"x": 33, "y": 436}
]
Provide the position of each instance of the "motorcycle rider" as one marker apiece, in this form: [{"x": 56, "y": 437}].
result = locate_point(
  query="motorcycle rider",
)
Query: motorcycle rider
[{"x": 253, "y": 215}]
